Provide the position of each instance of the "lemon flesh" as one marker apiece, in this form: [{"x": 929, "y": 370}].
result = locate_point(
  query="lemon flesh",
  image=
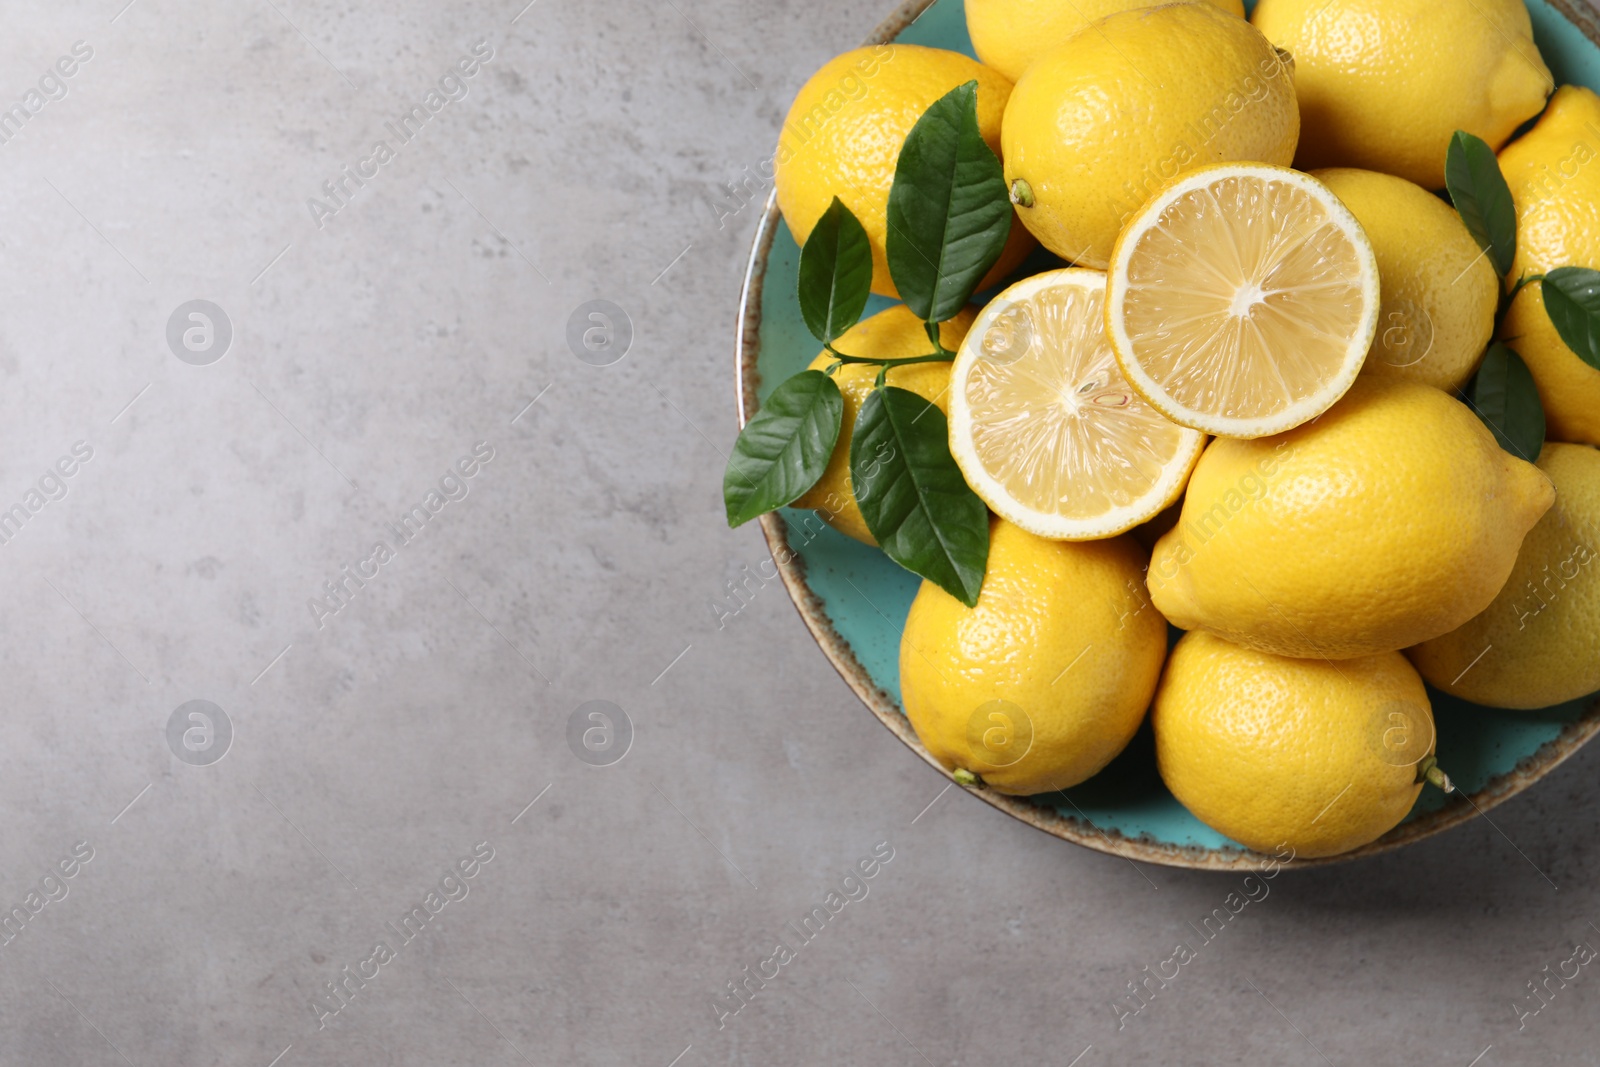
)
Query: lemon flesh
[
  {"x": 1045, "y": 427},
  {"x": 1242, "y": 299}
]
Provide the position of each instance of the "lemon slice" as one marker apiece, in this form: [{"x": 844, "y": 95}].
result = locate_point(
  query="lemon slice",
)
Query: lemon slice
[
  {"x": 1045, "y": 427},
  {"x": 1242, "y": 299}
]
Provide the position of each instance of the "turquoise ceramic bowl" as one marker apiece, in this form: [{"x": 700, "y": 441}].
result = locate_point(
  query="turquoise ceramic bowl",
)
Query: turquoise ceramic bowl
[{"x": 854, "y": 600}]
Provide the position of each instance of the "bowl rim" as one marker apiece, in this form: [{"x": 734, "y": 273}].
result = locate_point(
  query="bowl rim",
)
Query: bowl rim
[{"x": 1459, "y": 808}]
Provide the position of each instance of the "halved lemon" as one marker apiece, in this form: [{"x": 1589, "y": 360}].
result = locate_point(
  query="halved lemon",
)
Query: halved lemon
[
  {"x": 1045, "y": 427},
  {"x": 1242, "y": 299}
]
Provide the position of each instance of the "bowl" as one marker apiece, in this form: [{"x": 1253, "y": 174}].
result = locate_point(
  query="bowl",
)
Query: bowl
[{"x": 854, "y": 600}]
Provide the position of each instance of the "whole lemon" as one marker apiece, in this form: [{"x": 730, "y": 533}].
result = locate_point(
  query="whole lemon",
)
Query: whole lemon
[
  {"x": 1320, "y": 757},
  {"x": 1439, "y": 290},
  {"x": 1104, "y": 120},
  {"x": 1538, "y": 644},
  {"x": 894, "y": 333},
  {"x": 1048, "y": 677},
  {"x": 1384, "y": 84},
  {"x": 1008, "y": 35},
  {"x": 1392, "y": 518},
  {"x": 1554, "y": 174},
  {"x": 844, "y": 131}
]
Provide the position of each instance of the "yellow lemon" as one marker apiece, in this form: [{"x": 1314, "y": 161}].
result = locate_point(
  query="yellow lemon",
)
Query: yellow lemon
[
  {"x": 1383, "y": 84},
  {"x": 1045, "y": 427},
  {"x": 843, "y": 134},
  {"x": 1242, "y": 299},
  {"x": 1277, "y": 753},
  {"x": 1439, "y": 291},
  {"x": 1100, "y": 123},
  {"x": 894, "y": 333},
  {"x": 1538, "y": 644},
  {"x": 1393, "y": 518},
  {"x": 1048, "y": 677},
  {"x": 1008, "y": 35},
  {"x": 1554, "y": 174}
]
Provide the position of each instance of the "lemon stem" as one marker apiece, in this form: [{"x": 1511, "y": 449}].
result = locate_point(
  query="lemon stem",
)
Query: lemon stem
[
  {"x": 1428, "y": 771},
  {"x": 966, "y": 777},
  {"x": 1021, "y": 193}
]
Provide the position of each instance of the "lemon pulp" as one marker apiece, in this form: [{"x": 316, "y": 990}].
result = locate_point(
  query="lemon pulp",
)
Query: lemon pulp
[
  {"x": 1045, "y": 426},
  {"x": 1243, "y": 299}
]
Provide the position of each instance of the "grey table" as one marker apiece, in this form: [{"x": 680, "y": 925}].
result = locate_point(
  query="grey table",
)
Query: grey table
[{"x": 399, "y": 857}]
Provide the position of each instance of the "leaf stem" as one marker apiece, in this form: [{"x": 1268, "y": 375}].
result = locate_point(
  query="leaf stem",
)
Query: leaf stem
[
  {"x": 1506, "y": 300},
  {"x": 1526, "y": 279},
  {"x": 941, "y": 356}
]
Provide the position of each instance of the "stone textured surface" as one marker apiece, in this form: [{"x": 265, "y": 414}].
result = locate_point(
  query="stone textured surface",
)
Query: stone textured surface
[{"x": 376, "y": 746}]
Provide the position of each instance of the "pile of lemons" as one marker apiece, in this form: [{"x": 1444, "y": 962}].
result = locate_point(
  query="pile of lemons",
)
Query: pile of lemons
[{"x": 1235, "y": 410}]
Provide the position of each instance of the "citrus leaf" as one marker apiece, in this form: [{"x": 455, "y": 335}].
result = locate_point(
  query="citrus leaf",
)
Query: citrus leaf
[
  {"x": 949, "y": 214},
  {"x": 1478, "y": 190},
  {"x": 1572, "y": 298},
  {"x": 835, "y": 273},
  {"x": 783, "y": 450},
  {"x": 912, "y": 494},
  {"x": 1504, "y": 396}
]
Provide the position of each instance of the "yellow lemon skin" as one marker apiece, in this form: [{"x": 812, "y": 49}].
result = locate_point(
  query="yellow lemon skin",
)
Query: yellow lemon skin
[
  {"x": 1554, "y": 174},
  {"x": 1538, "y": 644},
  {"x": 844, "y": 131},
  {"x": 1048, "y": 677},
  {"x": 1391, "y": 519},
  {"x": 894, "y": 333},
  {"x": 1109, "y": 117},
  {"x": 1320, "y": 757},
  {"x": 1439, "y": 290},
  {"x": 1384, "y": 84},
  {"x": 1008, "y": 35}
]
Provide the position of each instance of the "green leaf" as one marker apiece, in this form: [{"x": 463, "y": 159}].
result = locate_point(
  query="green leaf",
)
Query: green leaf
[
  {"x": 1504, "y": 396},
  {"x": 835, "y": 273},
  {"x": 783, "y": 450},
  {"x": 913, "y": 496},
  {"x": 949, "y": 214},
  {"x": 1479, "y": 192},
  {"x": 1572, "y": 298}
]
